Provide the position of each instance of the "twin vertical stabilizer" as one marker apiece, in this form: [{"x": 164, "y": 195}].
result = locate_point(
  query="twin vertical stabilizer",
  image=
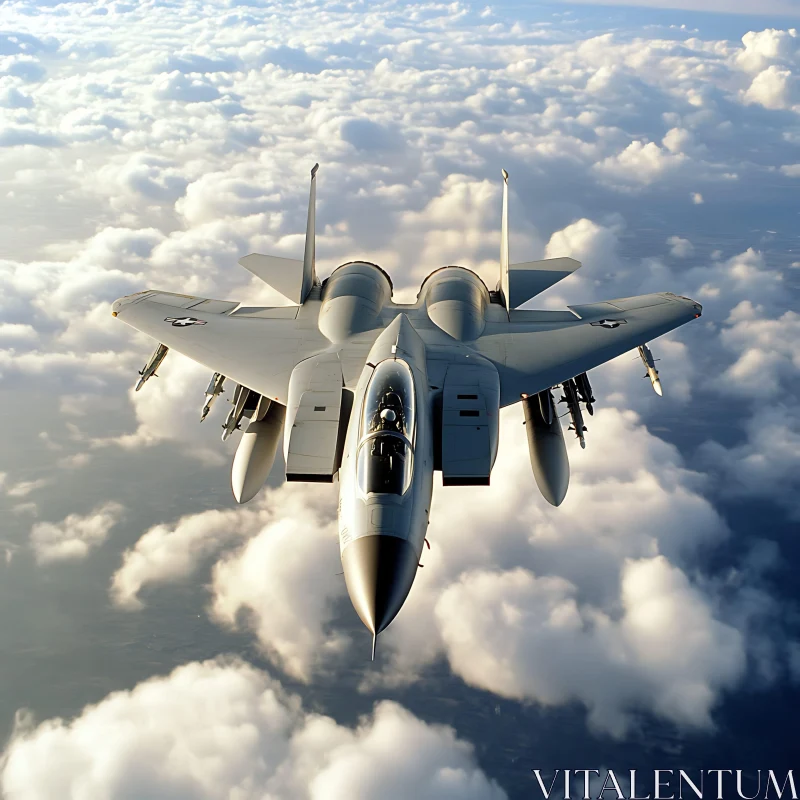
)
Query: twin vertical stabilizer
[
  {"x": 502, "y": 284},
  {"x": 518, "y": 283},
  {"x": 291, "y": 277},
  {"x": 309, "y": 258}
]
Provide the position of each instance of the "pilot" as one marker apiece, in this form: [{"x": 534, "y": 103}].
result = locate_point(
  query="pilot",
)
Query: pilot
[
  {"x": 390, "y": 412},
  {"x": 388, "y": 420}
]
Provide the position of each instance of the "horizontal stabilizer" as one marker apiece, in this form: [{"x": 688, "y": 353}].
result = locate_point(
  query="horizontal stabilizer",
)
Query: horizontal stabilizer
[
  {"x": 616, "y": 308},
  {"x": 284, "y": 275},
  {"x": 530, "y": 278}
]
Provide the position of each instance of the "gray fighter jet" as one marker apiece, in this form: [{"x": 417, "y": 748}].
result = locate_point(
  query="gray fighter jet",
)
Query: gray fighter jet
[{"x": 383, "y": 394}]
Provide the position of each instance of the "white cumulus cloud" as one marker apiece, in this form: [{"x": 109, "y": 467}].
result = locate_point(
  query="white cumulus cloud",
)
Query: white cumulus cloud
[
  {"x": 75, "y": 535},
  {"x": 225, "y": 729}
]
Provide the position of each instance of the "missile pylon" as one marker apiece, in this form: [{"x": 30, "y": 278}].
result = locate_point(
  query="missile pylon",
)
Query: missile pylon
[
  {"x": 650, "y": 365},
  {"x": 585, "y": 391},
  {"x": 235, "y": 416},
  {"x": 573, "y": 404},
  {"x": 152, "y": 365},
  {"x": 546, "y": 406},
  {"x": 213, "y": 391}
]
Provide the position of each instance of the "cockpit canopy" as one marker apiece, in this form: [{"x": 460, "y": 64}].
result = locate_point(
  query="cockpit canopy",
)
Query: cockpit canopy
[
  {"x": 387, "y": 430},
  {"x": 389, "y": 403}
]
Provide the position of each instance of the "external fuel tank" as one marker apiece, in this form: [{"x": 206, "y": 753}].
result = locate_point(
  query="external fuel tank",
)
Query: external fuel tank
[
  {"x": 256, "y": 453},
  {"x": 546, "y": 446}
]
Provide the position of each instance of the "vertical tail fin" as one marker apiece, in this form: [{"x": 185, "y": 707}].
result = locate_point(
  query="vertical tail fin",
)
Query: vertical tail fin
[
  {"x": 502, "y": 284},
  {"x": 309, "y": 258}
]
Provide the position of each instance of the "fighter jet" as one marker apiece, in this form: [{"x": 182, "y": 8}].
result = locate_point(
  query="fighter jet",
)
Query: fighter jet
[{"x": 381, "y": 395}]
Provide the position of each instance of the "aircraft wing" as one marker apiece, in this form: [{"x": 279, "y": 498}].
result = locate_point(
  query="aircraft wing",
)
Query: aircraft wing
[
  {"x": 538, "y": 349},
  {"x": 253, "y": 346}
]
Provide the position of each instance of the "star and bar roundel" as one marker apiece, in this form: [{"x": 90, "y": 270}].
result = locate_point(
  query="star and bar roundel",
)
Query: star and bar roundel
[
  {"x": 184, "y": 322},
  {"x": 608, "y": 323}
]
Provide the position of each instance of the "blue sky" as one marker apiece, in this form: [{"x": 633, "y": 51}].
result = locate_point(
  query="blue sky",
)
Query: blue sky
[{"x": 651, "y": 619}]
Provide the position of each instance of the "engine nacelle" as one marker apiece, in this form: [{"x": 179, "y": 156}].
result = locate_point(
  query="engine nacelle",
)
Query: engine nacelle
[
  {"x": 456, "y": 301},
  {"x": 546, "y": 446},
  {"x": 352, "y": 299}
]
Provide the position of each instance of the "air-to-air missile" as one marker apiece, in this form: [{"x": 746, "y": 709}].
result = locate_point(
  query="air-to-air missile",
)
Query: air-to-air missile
[
  {"x": 585, "y": 391},
  {"x": 650, "y": 365},
  {"x": 213, "y": 391},
  {"x": 231, "y": 424},
  {"x": 152, "y": 365},
  {"x": 573, "y": 404}
]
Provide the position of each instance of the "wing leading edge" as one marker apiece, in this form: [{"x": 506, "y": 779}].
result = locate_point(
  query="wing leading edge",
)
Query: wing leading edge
[
  {"x": 257, "y": 349},
  {"x": 539, "y": 355}
]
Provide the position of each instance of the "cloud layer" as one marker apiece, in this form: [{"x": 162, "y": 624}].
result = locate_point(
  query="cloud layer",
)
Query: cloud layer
[
  {"x": 162, "y": 143},
  {"x": 224, "y": 729}
]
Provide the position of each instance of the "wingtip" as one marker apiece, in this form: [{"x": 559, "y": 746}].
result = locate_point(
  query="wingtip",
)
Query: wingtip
[
  {"x": 314, "y": 170},
  {"x": 505, "y": 175},
  {"x": 374, "y": 642}
]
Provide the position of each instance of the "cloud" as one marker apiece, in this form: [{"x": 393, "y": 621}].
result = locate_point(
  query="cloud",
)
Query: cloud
[
  {"x": 632, "y": 516},
  {"x": 587, "y": 241},
  {"x": 722, "y": 284},
  {"x": 16, "y": 137},
  {"x": 13, "y": 332},
  {"x": 768, "y": 351},
  {"x": 528, "y": 638},
  {"x": 173, "y": 552},
  {"x": 294, "y": 59},
  {"x": 369, "y": 136},
  {"x": 73, "y": 537},
  {"x": 177, "y": 86},
  {"x": 768, "y": 47},
  {"x": 639, "y": 164},
  {"x": 196, "y": 62},
  {"x": 278, "y": 575},
  {"x": 26, "y": 67},
  {"x": 14, "y": 98},
  {"x": 680, "y": 248},
  {"x": 284, "y": 583},
  {"x": 20, "y": 488},
  {"x": 766, "y": 464},
  {"x": 162, "y": 165},
  {"x": 773, "y": 88},
  {"x": 168, "y": 407},
  {"x": 225, "y": 729}
]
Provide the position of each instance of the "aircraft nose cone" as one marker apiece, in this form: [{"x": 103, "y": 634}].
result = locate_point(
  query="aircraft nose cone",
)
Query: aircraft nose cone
[{"x": 379, "y": 570}]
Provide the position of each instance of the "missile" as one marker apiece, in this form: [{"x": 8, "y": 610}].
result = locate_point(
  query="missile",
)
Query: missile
[
  {"x": 585, "y": 391},
  {"x": 231, "y": 424},
  {"x": 546, "y": 447},
  {"x": 650, "y": 365},
  {"x": 213, "y": 390},
  {"x": 152, "y": 365},
  {"x": 573, "y": 404}
]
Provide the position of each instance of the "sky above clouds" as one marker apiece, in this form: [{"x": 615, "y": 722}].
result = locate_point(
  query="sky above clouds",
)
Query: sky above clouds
[
  {"x": 778, "y": 7},
  {"x": 653, "y": 614}
]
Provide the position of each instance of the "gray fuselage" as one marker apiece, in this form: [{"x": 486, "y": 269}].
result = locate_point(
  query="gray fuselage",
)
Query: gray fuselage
[{"x": 386, "y": 476}]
